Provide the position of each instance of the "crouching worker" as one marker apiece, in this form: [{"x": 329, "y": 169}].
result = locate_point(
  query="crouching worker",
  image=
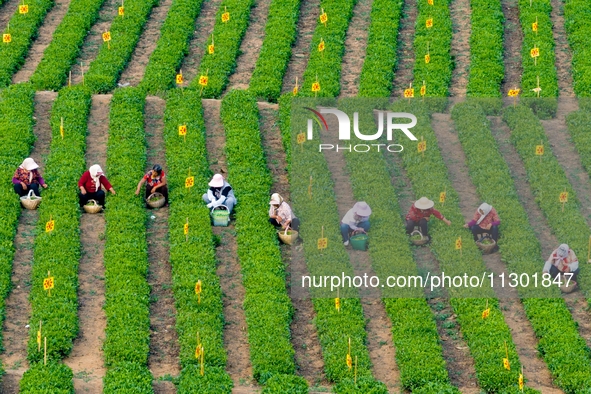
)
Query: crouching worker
[
  {"x": 219, "y": 193},
  {"x": 562, "y": 261},
  {"x": 281, "y": 215},
  {"x": 27, "y": 178},
  {"x": 485, "y": 220},
  {"x": 356, "y": 219},
  {"x": 91, "y": 184},
  {"x": 419, "y": 215},
  {"x": 155, "y": 181}
]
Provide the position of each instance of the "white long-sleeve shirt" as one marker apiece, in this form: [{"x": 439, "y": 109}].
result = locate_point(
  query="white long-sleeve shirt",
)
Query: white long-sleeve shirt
[{"x": 352, "y": 219}]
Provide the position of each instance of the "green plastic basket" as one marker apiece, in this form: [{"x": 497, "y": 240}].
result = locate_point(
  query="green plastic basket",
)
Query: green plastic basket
[
  {"x": 220, "y": 217},
  {"x": 359, "y": 241}
]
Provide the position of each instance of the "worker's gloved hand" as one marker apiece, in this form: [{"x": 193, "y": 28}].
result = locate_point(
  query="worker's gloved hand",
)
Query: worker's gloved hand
[
  {"x": 219, "y": 201},
  {"x": 210, "y": 205}
]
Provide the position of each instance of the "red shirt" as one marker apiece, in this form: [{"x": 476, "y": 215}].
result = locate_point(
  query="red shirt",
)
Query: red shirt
[
  {"x": 415, "y": 214},
  {"x": 88, "y": 184},
  {"x": 154, "y": 181}
]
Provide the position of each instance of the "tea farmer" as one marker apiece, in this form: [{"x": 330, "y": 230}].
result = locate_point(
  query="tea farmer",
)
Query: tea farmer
[
  {"x": 485, "y": 220},
  {"x": 90, "y": 185},
  {"x": 155, "y": 181},
  {"x": 420, "y": 213},
  {"x": 563, "y": 260},
  {"x": 219, "y": 193},
  {"x": 356, "y": 219},
  {"x": 27, "y": 177},
  {"x": 280, "y": 213}
]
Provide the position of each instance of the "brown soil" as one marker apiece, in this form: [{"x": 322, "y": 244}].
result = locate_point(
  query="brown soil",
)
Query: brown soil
[
  {"x": 229, "y": 270},
  {"x": 460, "y": 364},
  {"x": 562, "y": 50},
  {"x": 6, "y": 12},
  {"x": 304, "y": 337},
  {"x": 18, "y": 309},
  {"x": 201, "y": 37},
  {"x": 405, "y": 54},
  {"x": 513, "y": 39},
  {"x": 94, "y": 39},
  {"x": 501, "y": 132},
  {"x": 250, "y": 46},
  {"x": 378, "y": 327},
  {"x": 566, "y": 154},
  {"x": 86, "y": 359},
  {"x": 44, "y": 37},
  {"x": 460, "y": 46},
  {"x": 164, "y": 347},
  {"x": 309, "y": 14},
  {"x": 134, "y": 72},
  {"x": 523, "y": 336},
  {"x": 355, "y": 48}
]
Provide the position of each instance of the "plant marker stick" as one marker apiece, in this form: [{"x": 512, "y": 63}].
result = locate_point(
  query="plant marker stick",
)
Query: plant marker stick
[
  {"x": 202, "y": 361},
  {"x": 70, "y": 80}
]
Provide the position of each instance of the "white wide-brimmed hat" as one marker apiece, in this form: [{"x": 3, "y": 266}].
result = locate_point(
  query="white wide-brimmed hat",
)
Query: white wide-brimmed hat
[
  {"x": 217, "y": 181},
  {"x": 362, "y": 209},
  {"x": 275, "y": 199},
  {"x": 424, "y": 203}
]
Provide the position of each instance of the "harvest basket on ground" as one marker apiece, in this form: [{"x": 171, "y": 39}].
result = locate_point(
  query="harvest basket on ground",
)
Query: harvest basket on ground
[
  {"x": 220, "y": 216},
  {"x": 359, "y": 241},
  {"x": 92, "y": 206},
  {"x": 156, "y": 200},
  {"x": 417, "y": 238},
  {"x": 287, "y": 236},
  {"x": 486, "y": 244},
  {"x": 31, "y": 201}
]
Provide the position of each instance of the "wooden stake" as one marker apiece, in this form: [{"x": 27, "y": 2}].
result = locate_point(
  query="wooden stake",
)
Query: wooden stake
[
  {"x": 349, "y": 345},
  {"x": 202, "y": 361},
  {"x": 70, "y": 80}
]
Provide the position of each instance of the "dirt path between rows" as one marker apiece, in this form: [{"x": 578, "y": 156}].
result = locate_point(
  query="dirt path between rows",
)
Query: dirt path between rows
[
  {"x": 405, "y": 53},
  {"x": 355, "y": 48},
  {"x": 309, "y": 14},
  {"x": 18, "y": 309},
  {"x": 44, "y": 37},
  {"x": 304, "y": 336},
  {"x": 460, "y": 364},
  {"x": 86, "y": 359},
  {"x": 94, "y": 39},
  {"x": 522, "y": 333},
  {"x": 548, "y": 240},
  {"x": 378, "y": 327},
  {"x": 562, "y": 50},
  {"x": 229, "y": 270},
  {"x": 513, "y": 40},
  {"x": 6, "y": 12},
  {"x": 250, "y": 46},
  {"x": 163, "y": 359},
  {"x": 201, "y": 37},
  {"x": 134, "y": 72},
  {"x": 460, "y": 46}
]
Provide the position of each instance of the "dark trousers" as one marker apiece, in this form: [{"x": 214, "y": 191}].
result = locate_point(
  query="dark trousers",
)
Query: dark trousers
[
  {"x": 98, "y": 196},
  {"x": 162, "y": 190},
  {"x": 555, "y": 271},
  {"x": 346, "y": 229},
  {"x": 477, "y": 230},
  {"x": 410, "y": 226},
  {"x": 295, "y": 223},
  {"x": 22, "y": 192}
]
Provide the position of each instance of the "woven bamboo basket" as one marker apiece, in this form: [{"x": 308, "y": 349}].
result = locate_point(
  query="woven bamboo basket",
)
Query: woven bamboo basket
[
  {"x": 288, "y": 237},
  {"x": 92, "y": 208},
  {"x": 486, "y": 248},
  {"x": 156, "y": 200},
  {"x": 421, "y": 241},
  {"x": 31, "y": 201}
]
